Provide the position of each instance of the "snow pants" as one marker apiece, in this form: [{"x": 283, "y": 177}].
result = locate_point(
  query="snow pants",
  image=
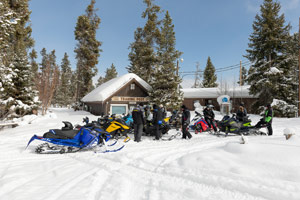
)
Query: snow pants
[
  {"x": 185, "y": 132},
  {"x": 138, "y": 130}
]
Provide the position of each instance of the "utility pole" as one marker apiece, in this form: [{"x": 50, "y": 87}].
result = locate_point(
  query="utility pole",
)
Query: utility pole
[
  {"x": 197, "y": 75},
  {"x": 241, "y": 73}
]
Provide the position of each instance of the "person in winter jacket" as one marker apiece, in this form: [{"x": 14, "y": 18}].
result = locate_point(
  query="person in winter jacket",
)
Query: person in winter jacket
[
  {"x": 241, "y": 113},
  {"x": 267, "y": 119},
  {"x": 209, "y": 117},
  {"x": 157, "y": 121},
  {"x": 138, "y": 122},
  {"x": 185, "y": 121}
]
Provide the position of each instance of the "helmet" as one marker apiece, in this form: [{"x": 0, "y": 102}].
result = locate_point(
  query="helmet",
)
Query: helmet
[
  {"x": 209, "y": 106},
  {"x": 68, "y": 126}
]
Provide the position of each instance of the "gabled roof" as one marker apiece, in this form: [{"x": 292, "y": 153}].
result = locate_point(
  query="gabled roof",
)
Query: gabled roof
[
  {"x": 236, "y": 92},
  {"x": 110, "y": 87}
]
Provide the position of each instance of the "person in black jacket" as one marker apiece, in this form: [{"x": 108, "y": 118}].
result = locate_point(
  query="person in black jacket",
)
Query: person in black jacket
[
  {"x": 157, "y": 121},
  {"x": 241, "y": 113},
  {"x": 185, "y": 121},
  {"x": 138, "y": 122},
  {"x": 209, "y": 117}
]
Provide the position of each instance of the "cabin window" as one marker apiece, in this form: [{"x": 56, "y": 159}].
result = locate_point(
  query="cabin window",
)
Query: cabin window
[
  {"x": 132, "y": 86},
  {"x": 118, "y": 109}
]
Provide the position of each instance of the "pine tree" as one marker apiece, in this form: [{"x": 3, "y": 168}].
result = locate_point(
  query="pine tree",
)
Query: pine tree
[
  {"x": 100, "y": 81},
  {"x": 142, "y": 56},
  {"x": 34, "y": 68},
  {"x": 165, "y": 82},
  {"x": 110, "y": 73},
  {"x": 271, "y": 75},
  {"x": 7, "y": 28},
  {"x": 16, "y": 47},
  {"x": 87, "y": 50},
  {"x": 136, "y": 55},
  {"x": 209, "y": 76},
  {"x": 64, "y": 92}
]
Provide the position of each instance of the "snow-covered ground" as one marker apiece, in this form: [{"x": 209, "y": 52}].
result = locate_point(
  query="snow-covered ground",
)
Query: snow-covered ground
[{"x": 205, "y": 167}]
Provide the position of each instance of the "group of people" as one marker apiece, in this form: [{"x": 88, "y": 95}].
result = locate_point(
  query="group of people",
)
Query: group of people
[
  {"x": 241, "y": 116},
  {"x": 141, "y": 115},
  {"x": 266, "y": 121}
]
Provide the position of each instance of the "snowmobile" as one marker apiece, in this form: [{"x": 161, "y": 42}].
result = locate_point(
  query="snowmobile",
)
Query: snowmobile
[
  {"x": 164, "y": 127},
  {"x": 175, "y": 120},
  {"x": 69, "y": 140},
  {"x": 116, "y": 127},
  {"x": 232, "y": 125},
  {"x": 199, "y": 124}
]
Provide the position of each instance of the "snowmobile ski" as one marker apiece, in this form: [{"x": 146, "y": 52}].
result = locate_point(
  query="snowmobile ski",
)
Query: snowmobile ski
[{"x": 172, "y": 137}]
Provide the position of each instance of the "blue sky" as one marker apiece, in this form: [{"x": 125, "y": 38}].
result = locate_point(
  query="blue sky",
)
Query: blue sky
[{"x": 217, "y": 28}]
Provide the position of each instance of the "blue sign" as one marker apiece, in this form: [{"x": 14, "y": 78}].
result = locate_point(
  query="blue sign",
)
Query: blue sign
[{"x": 224, "y": 99}]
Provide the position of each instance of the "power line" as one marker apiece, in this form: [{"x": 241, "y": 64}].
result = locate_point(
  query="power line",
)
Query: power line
[{"x": 222, "y": 69}]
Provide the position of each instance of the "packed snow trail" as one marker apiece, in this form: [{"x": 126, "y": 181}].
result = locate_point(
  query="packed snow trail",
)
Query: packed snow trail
[{"x": 205, "y": 167}]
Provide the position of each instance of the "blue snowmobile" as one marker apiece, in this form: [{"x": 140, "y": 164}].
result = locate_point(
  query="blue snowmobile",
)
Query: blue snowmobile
[{"x": 68, "y": 140}]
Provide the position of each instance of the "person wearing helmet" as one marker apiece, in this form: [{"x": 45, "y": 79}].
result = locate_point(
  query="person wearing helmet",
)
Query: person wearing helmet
[
  {"x": 209, "y": 117},
  {"x": 267, "y": 119}
]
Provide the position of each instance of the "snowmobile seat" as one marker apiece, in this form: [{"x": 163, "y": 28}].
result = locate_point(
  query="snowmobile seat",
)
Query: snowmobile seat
[{"x": 61, "y": 134}]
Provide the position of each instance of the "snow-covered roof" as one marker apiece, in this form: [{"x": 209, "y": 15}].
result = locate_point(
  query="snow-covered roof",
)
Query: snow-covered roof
[
  {"x": 236, "y": 92},
  {"x": 108, "y": 88}
]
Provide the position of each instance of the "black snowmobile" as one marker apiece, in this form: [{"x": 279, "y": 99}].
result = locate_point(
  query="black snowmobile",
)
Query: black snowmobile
[{"x": 232, "y": 125}]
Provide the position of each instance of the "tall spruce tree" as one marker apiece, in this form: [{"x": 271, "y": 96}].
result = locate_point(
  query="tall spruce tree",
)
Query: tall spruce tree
[
  {"x": 136, "y": 55},
  {"x": 110, "y": 73},
  {"x": 64, "y": 92},
  {"x": 142, "y": 56},
  {"x": 87, "y": 50},
  {"x": 100, "y": 81},
  {"x": 271, "y": 74},
  {"x": 209, "y": 76},
  {"x": 165, "y": 82},
  {"x": 21, "y": 93}
]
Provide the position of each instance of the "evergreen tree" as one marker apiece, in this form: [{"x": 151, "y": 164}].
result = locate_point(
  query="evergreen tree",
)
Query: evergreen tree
[
  {"x": 244, "y": 76},
  {"x": 87, "y": 50},
  {"x": 7, "y": 28},
  {"x": 209, "y": 76},
  {"x": 100, "y": 81},
  {"x": 271, "y": 75},
  {"x": 64, "y": 92},
  {"x": 142, "y": 56},
  {"x": 34, "y": 68},
  {"x": 165, "y": 82},
  {"x": 17, "y": 44},
  {"x": 136, "y": 56},
  {"x": 110, "y": 73}
]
